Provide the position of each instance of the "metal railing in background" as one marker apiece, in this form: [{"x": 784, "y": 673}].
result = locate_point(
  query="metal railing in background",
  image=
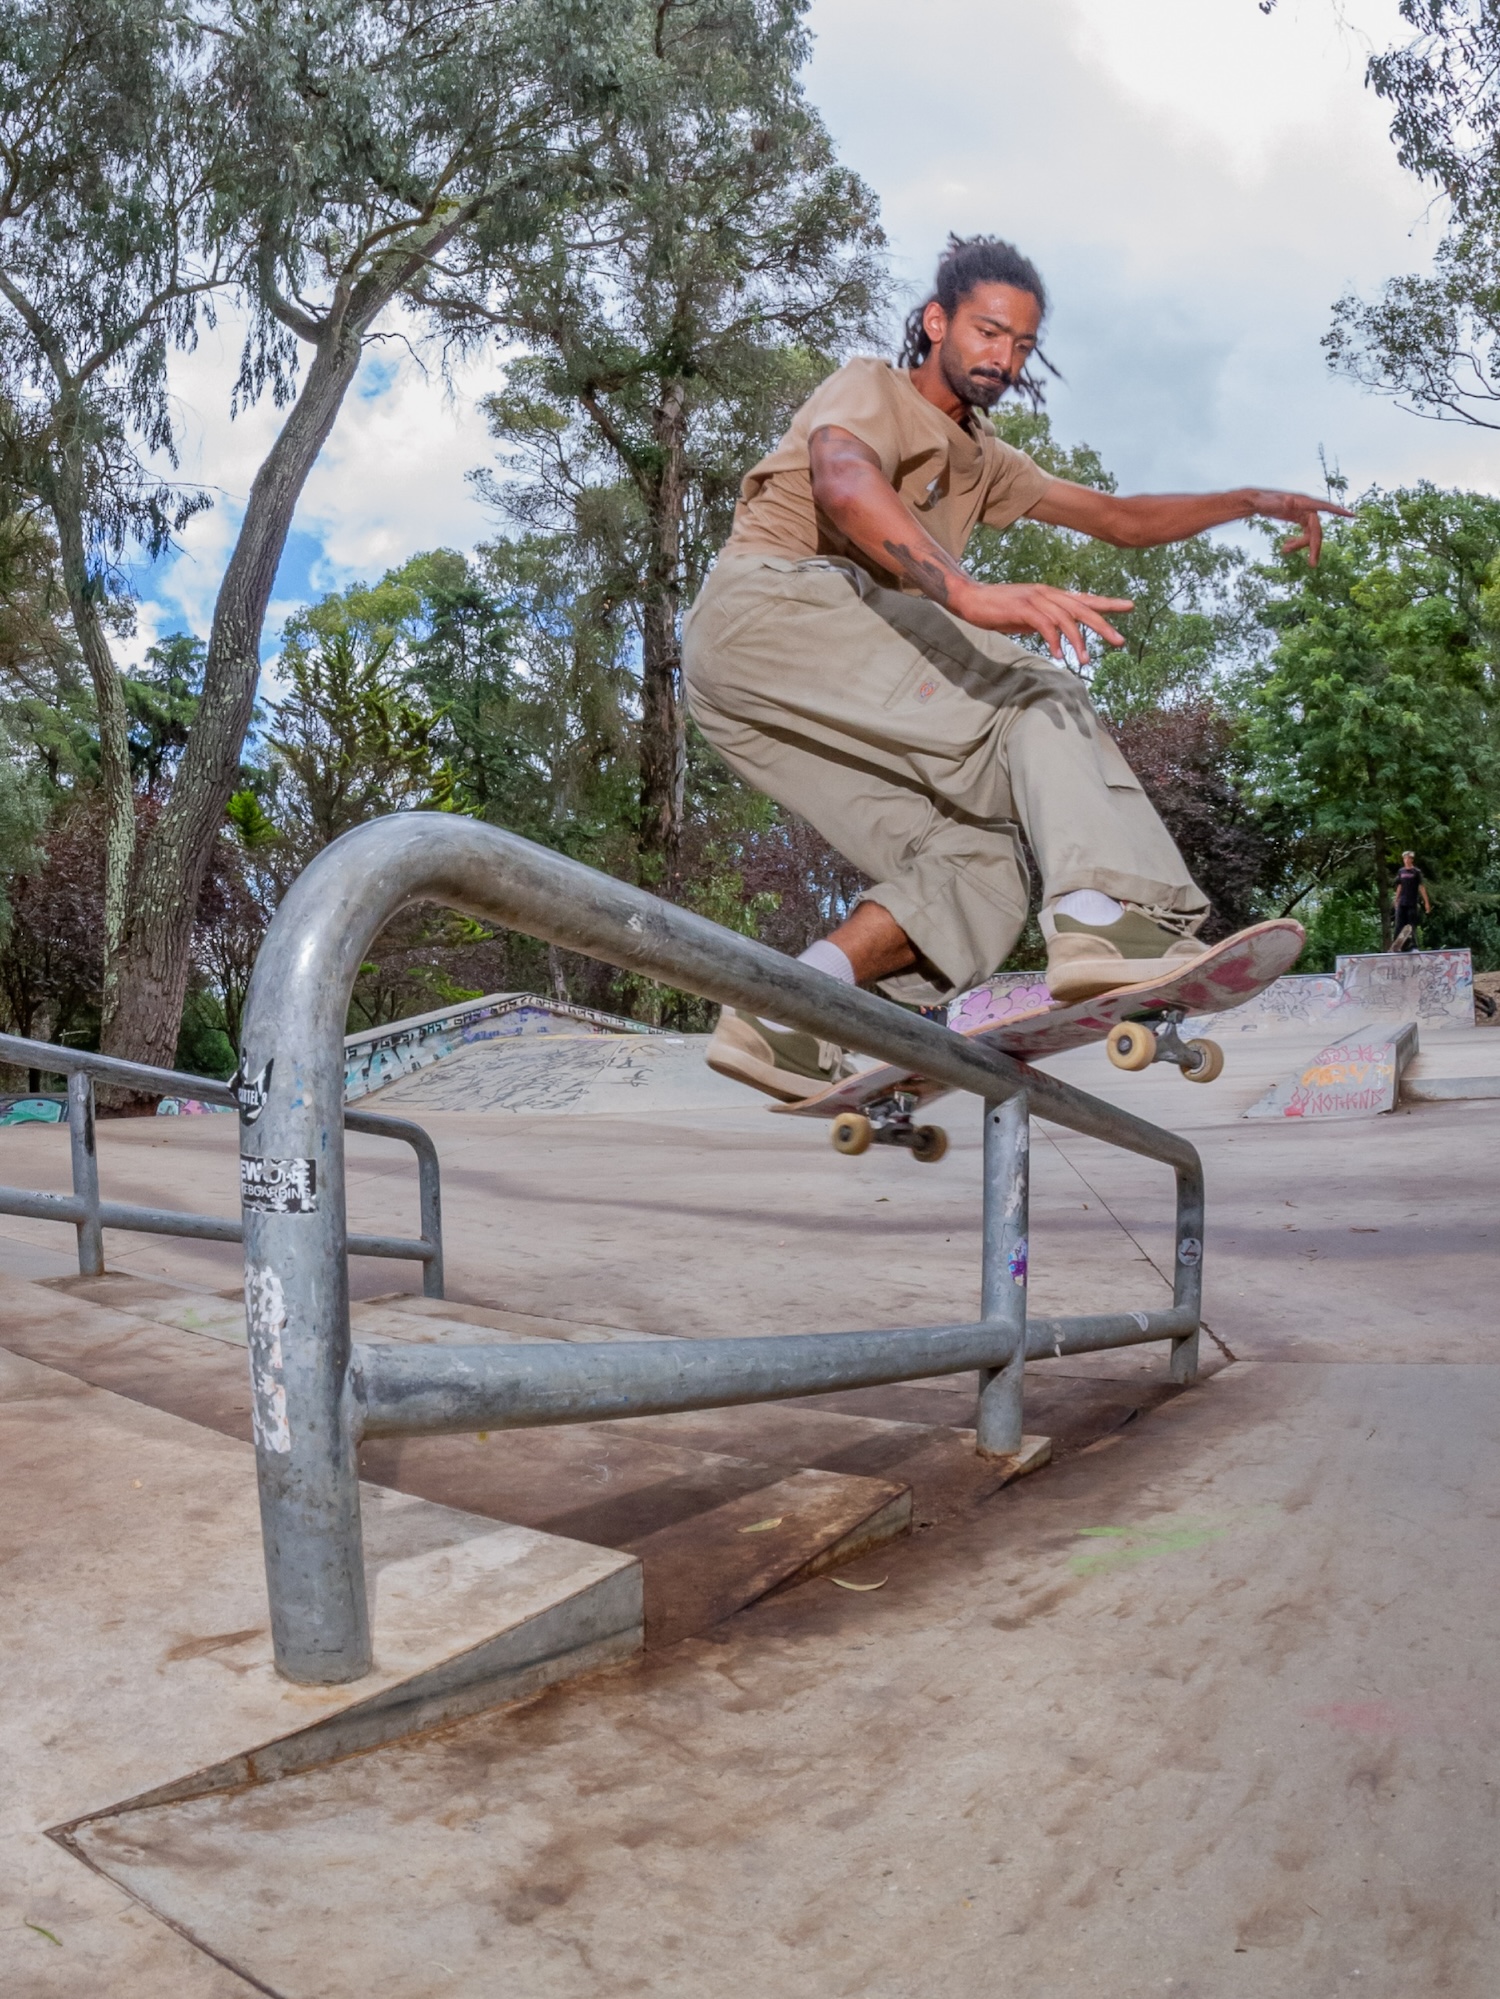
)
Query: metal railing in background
[
  {"x": 90, "y": 1215},
  {"x": 316, "y": 1394}
]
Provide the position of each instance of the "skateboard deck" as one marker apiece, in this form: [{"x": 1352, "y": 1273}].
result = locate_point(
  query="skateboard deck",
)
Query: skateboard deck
[{"x": 1228, "y": 975}]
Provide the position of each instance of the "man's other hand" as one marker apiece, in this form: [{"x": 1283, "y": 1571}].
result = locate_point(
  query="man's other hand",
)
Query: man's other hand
[
  {"x": 1054, "y": 615},
  {"x": 1303, "y": 510}
]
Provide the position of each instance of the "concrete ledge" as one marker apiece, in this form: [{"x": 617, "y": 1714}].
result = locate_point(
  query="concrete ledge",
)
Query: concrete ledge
[
  {"x": 1447, "y": 1089},
  {"x": 137, "y": 1664}
]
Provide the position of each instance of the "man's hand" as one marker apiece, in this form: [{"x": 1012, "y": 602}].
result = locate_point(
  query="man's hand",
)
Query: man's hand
[
  {"x": 1054, "y": 615},
  {"x": 855, "y": 494},
  {"x": 1303, "y": 510}
]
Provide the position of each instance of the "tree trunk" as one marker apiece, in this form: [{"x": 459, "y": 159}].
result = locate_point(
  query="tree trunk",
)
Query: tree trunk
[
  {"x": 556, "y": 974},
  {"x": 154, "y": 959},
  {"x": 1382, "y": 891},
  {"x": 663, "y": 716},
  {"x": 109, "y": 702}
]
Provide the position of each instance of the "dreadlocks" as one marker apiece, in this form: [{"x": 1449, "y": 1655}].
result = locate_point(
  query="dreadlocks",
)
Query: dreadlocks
[{"x": 970, "y": 261}]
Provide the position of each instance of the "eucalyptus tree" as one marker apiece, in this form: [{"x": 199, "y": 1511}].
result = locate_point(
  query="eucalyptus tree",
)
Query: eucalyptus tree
[
  {"x": 377, "y": 165},
  {"x": 104, "y": 267},
  {"x": 720, "y": 258},
  {"x": 1432, "y": 339}
]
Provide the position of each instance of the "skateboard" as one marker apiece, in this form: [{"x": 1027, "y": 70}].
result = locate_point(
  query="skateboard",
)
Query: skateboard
[{"x": 1138, "y": 1025}]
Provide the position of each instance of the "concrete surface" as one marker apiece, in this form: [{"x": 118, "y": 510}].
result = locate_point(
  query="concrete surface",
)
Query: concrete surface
[
  {"x": 603, "y": 1074},
  {"x": 1210, "y": 1713},
  {"x": 136, "y": 1654},
  {"x": 1204, "y": 1708}
]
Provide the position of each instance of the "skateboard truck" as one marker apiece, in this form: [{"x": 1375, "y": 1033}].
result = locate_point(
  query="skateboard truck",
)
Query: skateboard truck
[
  {"x": 887, "y": 1121},
  {"x": 1136, "y": 1044}
]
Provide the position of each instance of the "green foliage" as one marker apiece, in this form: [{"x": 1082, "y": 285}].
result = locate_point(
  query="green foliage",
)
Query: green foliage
[
  {"x": 203, "y": 1046},
  {"x": 1433, "y": 340},
  {"x": 726, "y": 258},
  {"x": 23, "y": 813},
  {"x": 253, "y": 826},
  {"x": 105, "y": 125},
  {"x": 1189, "y": 621},
  {"x": 1374, "y": 723},
  {"x": 347, "y": 742},
  {"x": 162, "y": 703}
]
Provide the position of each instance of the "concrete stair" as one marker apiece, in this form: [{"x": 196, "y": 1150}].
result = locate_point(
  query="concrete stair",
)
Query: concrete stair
[
  {"x": 136, "y": 1665},
  {"x": 673, "y": 1491}
]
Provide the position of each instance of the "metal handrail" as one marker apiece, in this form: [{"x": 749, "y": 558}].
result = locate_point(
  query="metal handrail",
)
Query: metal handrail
[
  {"x": 315, "y": 1393},
  {"x": 91, "y": 1215}
]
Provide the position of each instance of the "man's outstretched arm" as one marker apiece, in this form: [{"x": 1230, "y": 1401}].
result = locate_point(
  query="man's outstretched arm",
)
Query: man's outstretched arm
[
  {"x": 1146, "y": 520},
  {"x": 853, "y": 492}
]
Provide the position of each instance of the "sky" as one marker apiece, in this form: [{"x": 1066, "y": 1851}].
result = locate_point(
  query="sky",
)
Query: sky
[{"x": 1197, "y": 183}]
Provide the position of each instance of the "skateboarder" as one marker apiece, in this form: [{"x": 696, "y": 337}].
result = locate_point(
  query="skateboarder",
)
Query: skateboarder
[
  {"x": 841, "y": 659},
  {"x": 1406, "y": 914}
]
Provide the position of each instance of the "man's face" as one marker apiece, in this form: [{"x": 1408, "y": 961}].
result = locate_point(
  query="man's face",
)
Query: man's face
[{"x": 984, "y": 347}]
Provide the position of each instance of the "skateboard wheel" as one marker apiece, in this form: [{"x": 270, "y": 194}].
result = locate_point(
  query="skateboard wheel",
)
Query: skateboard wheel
[
  {"x": 851, "y": 1134},
  {"x": 928, "y": 1144},
  {"x": 1210, "y": 1062},
  {"x": 1132, "y": 1045}
]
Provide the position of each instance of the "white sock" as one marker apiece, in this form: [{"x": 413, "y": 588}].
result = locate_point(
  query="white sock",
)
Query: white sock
[
  {"x": 823, "y": 956},
  {"x": 1087, "y": 905}
]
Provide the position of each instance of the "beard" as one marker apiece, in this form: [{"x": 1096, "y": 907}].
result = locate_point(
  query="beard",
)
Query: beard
[{"x": 979, "y": 391}]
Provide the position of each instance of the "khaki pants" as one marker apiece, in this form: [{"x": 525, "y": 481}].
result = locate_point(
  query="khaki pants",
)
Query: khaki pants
[{"x": 917, "y": 744}]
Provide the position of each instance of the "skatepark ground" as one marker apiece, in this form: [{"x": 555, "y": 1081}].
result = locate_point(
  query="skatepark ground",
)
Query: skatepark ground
[{"x": 1207, "y": 1706}]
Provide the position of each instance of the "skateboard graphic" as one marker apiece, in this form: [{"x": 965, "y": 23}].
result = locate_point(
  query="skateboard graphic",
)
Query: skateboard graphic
[{"x": 1138, "y": 1025}]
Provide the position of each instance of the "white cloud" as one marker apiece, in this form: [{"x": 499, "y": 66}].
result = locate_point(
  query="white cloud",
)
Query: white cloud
[
  {"x": 1197, "y": 181},
  {"x": 389, "y": 482}
]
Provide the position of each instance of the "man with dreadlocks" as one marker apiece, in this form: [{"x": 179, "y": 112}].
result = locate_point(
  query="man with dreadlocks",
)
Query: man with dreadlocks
[{"x": 840, "y": 659}]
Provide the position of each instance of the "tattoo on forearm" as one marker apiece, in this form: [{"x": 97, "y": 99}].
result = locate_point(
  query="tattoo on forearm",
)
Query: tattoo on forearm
[{"x": 930, "y": 573}]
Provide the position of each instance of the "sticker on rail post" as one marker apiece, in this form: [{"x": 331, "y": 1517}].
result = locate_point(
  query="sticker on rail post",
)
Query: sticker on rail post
[
  {"x": 250, "y": 1092},
  {"x": 1190, "y": 1252},
  {"x": 265, "y": 1322},
  {"x": 279, "y": 1186}
]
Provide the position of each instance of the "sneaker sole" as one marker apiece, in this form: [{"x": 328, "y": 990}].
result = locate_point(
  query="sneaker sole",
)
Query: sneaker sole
[
  {"x": 1073, "y": 983},
  {"x": 764, "y": 1076}
]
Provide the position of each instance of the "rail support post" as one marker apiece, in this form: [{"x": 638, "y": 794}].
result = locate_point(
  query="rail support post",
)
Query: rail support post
[
  {"x": 297, "y": 1319},
  {"x": 85, "y": 1173},
  {"x": 1187, "y": 1271},
  {"x": 1007, "y": 1183}
]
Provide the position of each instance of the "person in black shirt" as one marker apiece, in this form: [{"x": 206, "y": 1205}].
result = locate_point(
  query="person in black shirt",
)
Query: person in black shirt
[{"x": 1405, "y": 902}]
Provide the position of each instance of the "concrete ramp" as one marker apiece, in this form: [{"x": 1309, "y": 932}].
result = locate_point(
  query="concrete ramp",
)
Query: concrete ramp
[
  {"x": 380, "y": 1055},
  {"x": 622, "y": 1075},
  {"x": 1359, "y": 1076}
]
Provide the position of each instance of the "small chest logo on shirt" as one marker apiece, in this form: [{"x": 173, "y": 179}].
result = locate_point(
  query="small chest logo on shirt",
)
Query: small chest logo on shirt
[{"x": 926, "y": 691}]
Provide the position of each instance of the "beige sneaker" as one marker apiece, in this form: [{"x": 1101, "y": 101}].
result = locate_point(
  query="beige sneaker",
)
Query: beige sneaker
[
  {"x": 1085, "y": 959},
  {"x": 783, "y": 1061}
]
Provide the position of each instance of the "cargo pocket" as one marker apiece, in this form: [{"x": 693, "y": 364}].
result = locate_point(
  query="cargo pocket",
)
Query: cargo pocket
[{"x": 1113, "y": 768}]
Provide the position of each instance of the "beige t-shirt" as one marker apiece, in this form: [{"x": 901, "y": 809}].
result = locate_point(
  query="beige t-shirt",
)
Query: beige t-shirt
[{"x": 951, "y": 478}]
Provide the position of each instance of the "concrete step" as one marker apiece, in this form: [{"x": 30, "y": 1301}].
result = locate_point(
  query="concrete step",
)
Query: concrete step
[
  {"x": 611, "y": 1485},
  {"x": 217, "y": 1315},
  {"x": 137, "y": 1660},
  {"x": 397, "y": 1316},
  {"x": 1450, "y": 1066}
]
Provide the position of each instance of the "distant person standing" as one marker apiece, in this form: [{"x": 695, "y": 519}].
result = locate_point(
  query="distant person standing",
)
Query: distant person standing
[{"x": 1410, "y": 902}]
